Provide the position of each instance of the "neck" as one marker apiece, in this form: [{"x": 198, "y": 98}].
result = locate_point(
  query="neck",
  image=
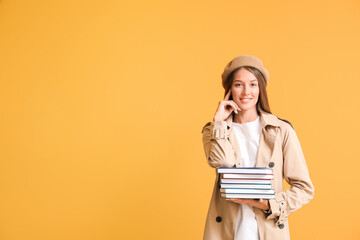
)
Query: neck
[{"x": 245, "y": 116}]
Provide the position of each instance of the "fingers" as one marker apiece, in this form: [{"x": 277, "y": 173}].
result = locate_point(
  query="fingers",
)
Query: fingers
[
  {"x": 233, "y": 105},
  {"x": 259, "y": 203},
  {"x": 236, "y": 200},
  {"x": 235, "y": 109},
  {"x": 227, "y": 96},
  {"x": 240, "y": 200},
  {"x": 238, "y": 108}
]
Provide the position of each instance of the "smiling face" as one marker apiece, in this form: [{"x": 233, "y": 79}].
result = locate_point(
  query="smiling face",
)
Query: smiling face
[{"x": 245, "y": 90}]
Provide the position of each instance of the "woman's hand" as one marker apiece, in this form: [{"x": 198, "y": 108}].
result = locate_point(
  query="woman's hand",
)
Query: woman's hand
[
  {"x": 261, "y": 203},
  {"x": 225, "y": 108}
]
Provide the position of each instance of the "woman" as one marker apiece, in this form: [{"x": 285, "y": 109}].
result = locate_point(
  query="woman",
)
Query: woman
[{"x": 244, "y": 133}]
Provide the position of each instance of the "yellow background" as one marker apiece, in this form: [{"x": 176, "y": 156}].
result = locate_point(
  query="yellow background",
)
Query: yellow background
[{"x": 102, "y": 105}]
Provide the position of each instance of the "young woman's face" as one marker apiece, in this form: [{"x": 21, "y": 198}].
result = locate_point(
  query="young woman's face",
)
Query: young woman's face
[{"x": 245, "y": 89}]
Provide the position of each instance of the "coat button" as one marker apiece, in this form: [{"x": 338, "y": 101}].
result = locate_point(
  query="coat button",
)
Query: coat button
[
  {"x": 271, "y": 164},
  {"x": 281, "y": 225},
  {"x": 218, "y": 219}
]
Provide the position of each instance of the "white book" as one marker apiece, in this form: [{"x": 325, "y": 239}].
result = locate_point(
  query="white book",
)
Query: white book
[
  {"x": 248, "y": 170},
  {"x": 248, "y": 191},
  {"x": 253, "y": 186},
  {"x": 248, "y": 196},
  {"x": 246, "y": 181},
  {"x": 247, "y": 176}
]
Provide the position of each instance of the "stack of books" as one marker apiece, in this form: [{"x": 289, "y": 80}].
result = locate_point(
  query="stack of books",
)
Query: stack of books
[{"x": 244, "y": 182}]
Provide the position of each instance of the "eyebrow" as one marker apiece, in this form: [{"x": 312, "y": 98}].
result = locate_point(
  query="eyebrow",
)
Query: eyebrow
[{"x": 244, "y": 81}]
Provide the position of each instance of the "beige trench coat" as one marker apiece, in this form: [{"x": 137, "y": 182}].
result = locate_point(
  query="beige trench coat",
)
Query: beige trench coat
[{"x": 279, "y": 149}]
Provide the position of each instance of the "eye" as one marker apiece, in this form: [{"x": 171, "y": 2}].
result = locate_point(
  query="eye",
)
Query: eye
[
  {"x": 254, "y": 84},
  {"x": 237, "y": 84}
]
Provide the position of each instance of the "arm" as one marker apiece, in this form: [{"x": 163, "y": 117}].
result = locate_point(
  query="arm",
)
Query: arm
[
  {"x": 218, "y": 149},
  {"x": 296, "y": 174}
]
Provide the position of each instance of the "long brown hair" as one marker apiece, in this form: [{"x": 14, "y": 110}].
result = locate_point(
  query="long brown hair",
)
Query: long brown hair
[{"x": 263, "y": 102}]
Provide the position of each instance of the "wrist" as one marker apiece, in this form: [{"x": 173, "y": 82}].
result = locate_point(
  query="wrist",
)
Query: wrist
[{"x": 216, "y": 118}]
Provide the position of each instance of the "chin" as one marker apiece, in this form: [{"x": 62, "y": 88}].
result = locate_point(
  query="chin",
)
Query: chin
[{"x": 245, "y": 108}]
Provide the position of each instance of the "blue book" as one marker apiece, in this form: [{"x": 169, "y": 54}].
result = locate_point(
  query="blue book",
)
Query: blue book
[
  {"x": 247, "y": 191},
  {"x": 242, "y": 186},
  {"x": 245, "y": 181},
  {"x": 246, "y": 170},
  {"x": 248, "y": 196}
]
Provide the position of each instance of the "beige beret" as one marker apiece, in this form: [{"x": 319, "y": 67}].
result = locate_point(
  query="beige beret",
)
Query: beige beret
[{"x": 244, "y": 60}]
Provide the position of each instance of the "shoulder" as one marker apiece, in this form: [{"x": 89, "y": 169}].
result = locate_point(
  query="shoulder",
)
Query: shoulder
[
  {"x": 282, "y": 125},
  {"x": 276, "y": 122},
  {"x": 284, "y": 129},
  {"x": 287, "y": 132}
]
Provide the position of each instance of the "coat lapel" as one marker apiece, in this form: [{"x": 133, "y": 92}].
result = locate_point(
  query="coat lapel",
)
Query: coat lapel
[{"x": 265, "y": 149}]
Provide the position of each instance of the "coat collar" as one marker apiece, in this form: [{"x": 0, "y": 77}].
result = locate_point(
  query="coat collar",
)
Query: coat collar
[{"x": 265, "y": 119}]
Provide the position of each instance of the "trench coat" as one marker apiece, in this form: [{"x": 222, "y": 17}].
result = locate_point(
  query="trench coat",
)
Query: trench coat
[{"x": 279, "y": 149}]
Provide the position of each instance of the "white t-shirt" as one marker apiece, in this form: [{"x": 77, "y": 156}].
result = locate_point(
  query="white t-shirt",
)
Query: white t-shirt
[{"x": 248, "y": 136}]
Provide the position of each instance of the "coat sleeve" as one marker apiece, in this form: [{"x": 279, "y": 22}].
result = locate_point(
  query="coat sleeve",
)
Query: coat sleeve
[
  {"x": 296, "y": 173},
  {"x": 217, "y": 146}
]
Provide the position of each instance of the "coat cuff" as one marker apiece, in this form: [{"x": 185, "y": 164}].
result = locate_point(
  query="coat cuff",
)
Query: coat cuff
[
  {"x": 274, "y": 208},
  {"x": 278, "y": 210},
  {"x": 219, "y": 129}
]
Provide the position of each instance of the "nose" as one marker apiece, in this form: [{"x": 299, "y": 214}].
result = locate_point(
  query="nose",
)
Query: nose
[{"x": 246, "y": 90}]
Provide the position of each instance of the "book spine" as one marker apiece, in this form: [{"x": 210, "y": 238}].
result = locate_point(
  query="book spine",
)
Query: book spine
[
  {"x": 248, "y": 196},
  {"x": 247, "y": 191},
  {"x": 246, "y": 170},
  {"x": 247, "y": 176},
  {"x": 251, "y": 186}
]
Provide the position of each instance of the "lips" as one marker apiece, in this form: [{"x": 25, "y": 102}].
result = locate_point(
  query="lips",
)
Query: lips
[{"x": 245, "y": 100}]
